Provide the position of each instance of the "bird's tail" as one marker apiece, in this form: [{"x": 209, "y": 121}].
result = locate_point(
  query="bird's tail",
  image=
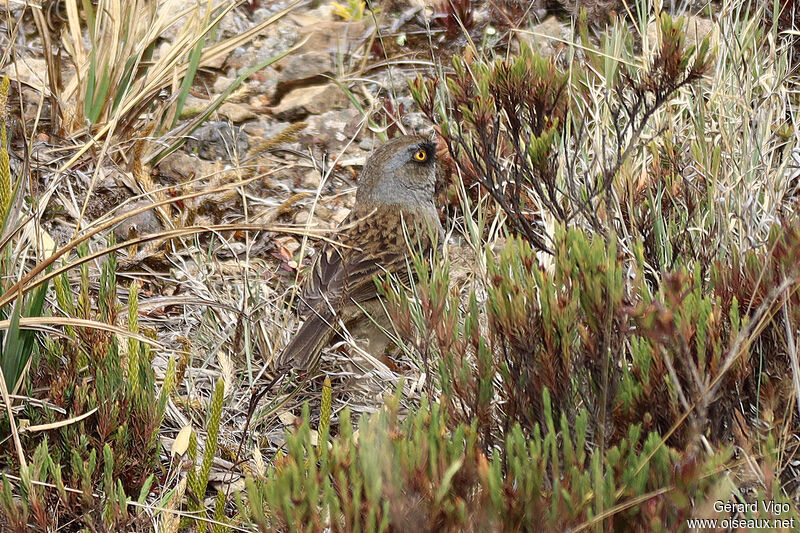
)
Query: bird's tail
[{"x": 303, "y": 352}]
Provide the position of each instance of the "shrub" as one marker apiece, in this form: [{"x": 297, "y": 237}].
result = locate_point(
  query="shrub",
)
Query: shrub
[
  {"x": 111, "y": 440},
  {"x": 423, "y": 472}
]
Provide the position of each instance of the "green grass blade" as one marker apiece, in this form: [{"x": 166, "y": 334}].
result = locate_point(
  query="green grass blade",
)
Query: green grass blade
[
  {"x": 28, "y": 337},
  {"x": 90, "y": 18},
  {"x": 188, "y": 79},
  {"x": 12, "y": 349},
  {"x": 100, "y": 96},
  {"x": 124, "y": 82},
  {"x": 90, "y": 83}
]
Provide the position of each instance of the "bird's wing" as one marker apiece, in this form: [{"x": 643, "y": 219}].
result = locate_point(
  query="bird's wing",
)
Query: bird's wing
[
  {"x": 371, "y": 242},
  {"x": 304, "y": 349}
]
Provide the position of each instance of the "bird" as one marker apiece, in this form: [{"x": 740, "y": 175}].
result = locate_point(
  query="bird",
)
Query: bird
[{"x": 394, "y": 213}]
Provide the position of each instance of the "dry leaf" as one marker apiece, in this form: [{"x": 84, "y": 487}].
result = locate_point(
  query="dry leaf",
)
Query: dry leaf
[{"x": 181, "y": 442}]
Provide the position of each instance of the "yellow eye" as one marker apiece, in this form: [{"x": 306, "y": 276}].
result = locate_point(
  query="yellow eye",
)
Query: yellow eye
[{"x": 421, "y": 155}]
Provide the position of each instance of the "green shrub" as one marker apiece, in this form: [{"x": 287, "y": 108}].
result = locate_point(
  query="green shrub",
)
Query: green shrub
[
  {"x": 112, "y": 442},
  {"x": 420, "y": 472}
]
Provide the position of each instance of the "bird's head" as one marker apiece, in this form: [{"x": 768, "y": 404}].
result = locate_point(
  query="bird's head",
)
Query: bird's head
[{"x": 401, "y": 172}]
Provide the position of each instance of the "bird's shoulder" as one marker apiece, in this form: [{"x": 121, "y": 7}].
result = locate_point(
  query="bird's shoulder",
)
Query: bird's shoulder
[
  {"x": 371, "y": 240},
  {"x": 378, "y": 234}
]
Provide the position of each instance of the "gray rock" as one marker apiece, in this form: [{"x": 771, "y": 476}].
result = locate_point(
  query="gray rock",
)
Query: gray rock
[
  {"x": 311, "y": 179},
  {"x": 304, "y": 69},
  {"x": 314, "y": 100},
  {"x": 179, "y": 166},
  {"x": 221, "y": 84},
  {"x": 137, "y": 225},
  {"x": 696, "y": 28},
  {"x": 331, "y": 130},
  {"x": 545, "y": 38},
  {"x": 367, "y": 144},
  {"x": 417, "y": 123},
  {"x": 215, "y": 140},
  {"x": 236, "y": 113}
]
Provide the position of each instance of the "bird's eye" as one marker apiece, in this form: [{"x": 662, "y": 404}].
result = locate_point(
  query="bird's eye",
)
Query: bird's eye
[{"x": 421, "y": 155}]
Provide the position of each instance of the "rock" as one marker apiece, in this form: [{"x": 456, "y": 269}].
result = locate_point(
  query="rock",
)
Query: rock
[
  {"x": 30, "y": 71},
  {"x": 266, "y": 129},
  {"x": 137, "y": 225},
  {"x": 193, "y": 101},
  {"x": 416, "y": 122},
  {"x": 232, "y": 24},
  {"x": 303, "y": 69},
  {"x": 304, "y": 217},
  {"x": 259, "y": 102},
  {"x": 331, "y": 130},
  {"x": 215, "y": 141},
  {"x": 221, "y": 84},
  {"x": 254, "y": 129},
  {"x": 545, "y": 38},
  {"x": 314, "y": 100},
  {"x": 323, "y": 11},
  {"x": 329, "y": 35},
  {"x": 163, "y": 48},
  {"x": 301, "y": 218},
  {"x": 311, "y": 179},
  {"x": 323, "y": 212},
  {"x": 322, "y": 40},
  {"x": 193, "y": 106},
  {"x": 214, "y": 63},
  {"x": 289, "y": 244},
  {"x": 264, "y": 82},
  {"x": 180, "y": 166},
  {"x": 236, "y": 113},
  {"x": 239, "y": 59},
  {"x": 696, "y": 28},
  {"x": 367, "y": 144},
  {"x": 340, "y": 215}
]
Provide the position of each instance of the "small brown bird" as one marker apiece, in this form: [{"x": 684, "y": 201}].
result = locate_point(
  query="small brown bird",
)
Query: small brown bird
[{"x": 394, "y": 214}]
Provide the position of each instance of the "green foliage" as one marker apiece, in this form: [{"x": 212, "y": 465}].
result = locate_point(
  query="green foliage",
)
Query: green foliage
[
  {"x": 17, "y": 344},
  {"x": 423, "y": 473},
  {"x": 594, "y": 376},
  {"x": 325, "y": 412},
  {"x": 198, "y": 479},
  {"x": 6, "y": 187},
  {"x": 611, "y": 445},
  {"x": 111, "y": 449},
  {"x": 507, "y": 124},
  {"x": 586, "y": 346}
]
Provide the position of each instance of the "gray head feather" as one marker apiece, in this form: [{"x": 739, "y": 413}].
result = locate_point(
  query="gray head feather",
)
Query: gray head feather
[{"x": 393, "y": 175}]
